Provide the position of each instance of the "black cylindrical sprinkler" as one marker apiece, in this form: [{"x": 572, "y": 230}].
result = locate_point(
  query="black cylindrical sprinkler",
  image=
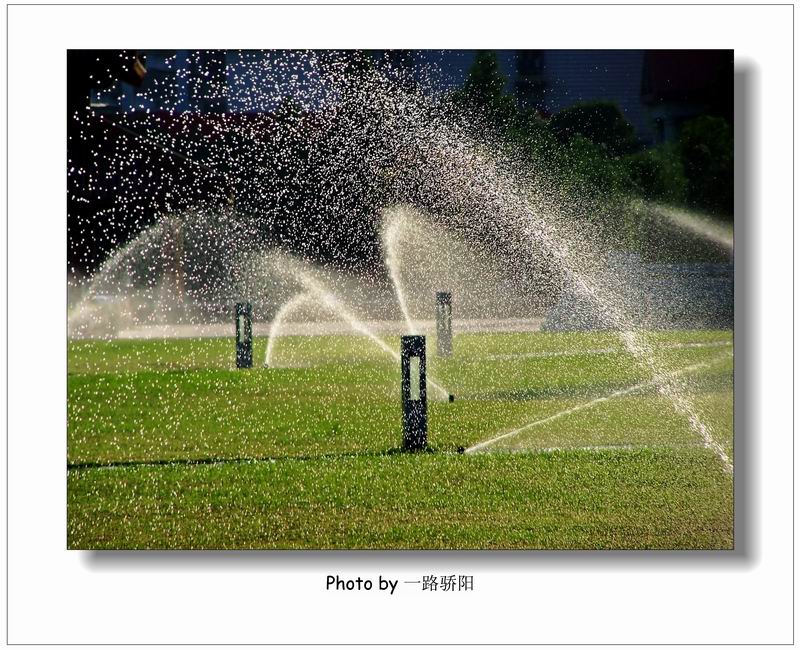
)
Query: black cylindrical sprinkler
[
  {"x": 414, "y": 392},
  {"x": 444, "y": 323},
  {"x": 244, "y": 335}
]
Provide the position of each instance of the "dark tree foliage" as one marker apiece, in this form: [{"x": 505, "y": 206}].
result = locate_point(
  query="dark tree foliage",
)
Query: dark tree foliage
[
  {"x": 484, "y": 90},
  {"x": 485, "y": 83},
  {"x": 706, "y": 147},
  {"x": 600, "y": 122},
  {"x": 657, "y": 174}
]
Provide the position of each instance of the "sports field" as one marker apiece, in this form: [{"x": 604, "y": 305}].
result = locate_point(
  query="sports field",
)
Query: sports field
[{"x": 569, "y": 445}]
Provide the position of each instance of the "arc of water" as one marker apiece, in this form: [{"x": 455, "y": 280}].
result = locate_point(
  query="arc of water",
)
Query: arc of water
[
  {"x": 330, "y": 301},
  {"x": 696, "y": 224},
  {"x": 86, "y": 309},
  {"x": 667, "y": 383},
  {"x": 597, "y": 401},
  {"x": 287, "y": 307},
  {"x": 390, "y": 240},
  {"x": 522, "y": 212}
]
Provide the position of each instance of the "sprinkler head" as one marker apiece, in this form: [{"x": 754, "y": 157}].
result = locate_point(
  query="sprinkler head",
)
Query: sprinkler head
[
  {"x": 451, "y": 398},
  {"x": 461, "y": 450}
]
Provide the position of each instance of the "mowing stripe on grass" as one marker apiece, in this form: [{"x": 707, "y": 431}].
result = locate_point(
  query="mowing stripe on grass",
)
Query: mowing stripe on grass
[
  {"x": 599, "y": 400},
  {"x": 591, "y": 351}
]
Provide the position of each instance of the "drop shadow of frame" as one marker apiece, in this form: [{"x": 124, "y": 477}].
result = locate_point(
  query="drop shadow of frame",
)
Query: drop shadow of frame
[{"x": 746, "y": 410}]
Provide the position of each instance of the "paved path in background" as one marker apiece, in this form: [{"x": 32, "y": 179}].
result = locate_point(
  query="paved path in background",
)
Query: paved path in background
[{"x": 328, "y": 327}]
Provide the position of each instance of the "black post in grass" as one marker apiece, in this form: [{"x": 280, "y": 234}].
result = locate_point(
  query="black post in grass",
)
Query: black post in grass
[
  {"x": 414, "y": 392},
  {"x": 444, "y": 323},
  {"x": 244, "y": 335}
]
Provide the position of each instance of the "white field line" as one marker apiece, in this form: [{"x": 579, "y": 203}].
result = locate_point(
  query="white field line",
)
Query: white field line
[
  {"x": 599, "y": 400},
  {"x": 580, "y": 353}
]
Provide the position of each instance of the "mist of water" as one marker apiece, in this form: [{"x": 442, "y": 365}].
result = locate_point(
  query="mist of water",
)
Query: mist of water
[
  {"x": 700, "y": 225},
  {"x": 379, "y": 143},
  {"x": 275, "y": 327},
  {"x": 390, "y": 236},
  {"x": 328, "y": 299}
]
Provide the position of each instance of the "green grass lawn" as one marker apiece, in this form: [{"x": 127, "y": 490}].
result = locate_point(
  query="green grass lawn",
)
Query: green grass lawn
[{"x": 169, "y": 446}]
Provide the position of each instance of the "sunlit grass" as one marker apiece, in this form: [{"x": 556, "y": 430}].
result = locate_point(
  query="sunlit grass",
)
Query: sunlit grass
[{"x": 321, "y": 437}]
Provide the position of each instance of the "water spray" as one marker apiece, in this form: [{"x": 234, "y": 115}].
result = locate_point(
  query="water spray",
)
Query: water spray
[
  {"x": 277, "y": 321},
  {"x": 390, "y": 236},
  {"x": 328, "y": 300},
  {"x": 697, "y": 224}
]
